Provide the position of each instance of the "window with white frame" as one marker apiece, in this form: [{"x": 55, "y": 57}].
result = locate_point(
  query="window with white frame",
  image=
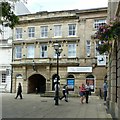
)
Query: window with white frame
[
  {"x": 57, "y": 30},
  {"x": 44, "y": 31},
  {"x": 31, "y": 32},
  {"x": 88, "y": 45},
  {"x": 18, "y": 33},
  {"x": 99, "y": 22},
  {"x": 18, "y": 52},
  {"x": 43, "y": 51},
  {"x": 72, "y": 30},
  {"x": 71, "y": 50},
  {"x": 3, "y": 77},
  {"x": 30, "y": 51}
]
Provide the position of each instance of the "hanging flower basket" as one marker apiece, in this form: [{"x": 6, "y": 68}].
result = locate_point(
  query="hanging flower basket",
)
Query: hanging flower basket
[{"x": 106, "y": 34}]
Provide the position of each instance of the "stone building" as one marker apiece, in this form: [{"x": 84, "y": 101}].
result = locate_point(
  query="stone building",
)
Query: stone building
[
  {"x": 34, "y": 59},
  {"x": 113, "y": 102}
]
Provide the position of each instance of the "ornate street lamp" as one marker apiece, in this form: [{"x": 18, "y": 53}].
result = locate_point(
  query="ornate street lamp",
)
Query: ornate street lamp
[{"x": 58, "y": 51}]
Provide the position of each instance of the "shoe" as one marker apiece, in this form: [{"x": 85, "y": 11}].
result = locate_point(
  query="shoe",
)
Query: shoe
[{"x": 66, "y": 100}]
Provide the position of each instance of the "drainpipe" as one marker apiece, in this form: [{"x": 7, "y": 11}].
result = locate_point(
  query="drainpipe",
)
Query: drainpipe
[
  {"x": 116, "y": 70},
  {"x": 12, "y": 62}
]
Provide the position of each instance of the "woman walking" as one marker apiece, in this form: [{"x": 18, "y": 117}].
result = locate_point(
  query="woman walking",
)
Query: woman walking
[{"x": 82, "y": 93}]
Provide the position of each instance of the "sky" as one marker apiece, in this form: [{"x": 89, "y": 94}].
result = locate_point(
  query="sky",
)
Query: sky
[{"x": 58, "y": 5}]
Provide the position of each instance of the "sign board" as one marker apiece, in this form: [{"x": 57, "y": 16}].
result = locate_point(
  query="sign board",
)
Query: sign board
[
  {"x": 79, "y": 69},
  {"x": 101, "y": 60}
]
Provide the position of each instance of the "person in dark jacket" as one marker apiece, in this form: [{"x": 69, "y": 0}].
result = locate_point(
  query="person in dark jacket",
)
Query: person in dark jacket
[
  {"x": 19, "y": 92},
  {"x": 105, "y": 87},
  {"x": 65, "y": 92},
  {"x": 87, "y": 92}
]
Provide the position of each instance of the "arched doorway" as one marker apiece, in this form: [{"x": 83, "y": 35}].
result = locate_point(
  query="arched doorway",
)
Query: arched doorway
[
  {"x": 53, "y": 78},
  {"x": 91, "y": 81},
  {"x": 36, "y": 83}
]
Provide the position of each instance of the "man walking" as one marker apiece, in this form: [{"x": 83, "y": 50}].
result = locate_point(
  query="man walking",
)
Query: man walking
[
  {"x": 65, "y": 92},
  {"x": 87, "y": 92},
  {"x": 19, "y": 92},
  {"x": 105, "y": 89}
]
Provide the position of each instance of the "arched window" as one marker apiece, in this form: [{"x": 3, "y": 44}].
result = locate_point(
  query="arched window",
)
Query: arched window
[
  {"x": 70, "y": 82},
  {"x": 91, "y": 81}
]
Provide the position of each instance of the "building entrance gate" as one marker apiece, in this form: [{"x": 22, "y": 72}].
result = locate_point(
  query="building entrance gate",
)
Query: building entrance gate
[{"x": 36, "y": 83}]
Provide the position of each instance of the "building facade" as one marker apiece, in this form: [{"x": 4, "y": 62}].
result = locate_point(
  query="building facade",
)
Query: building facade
[
  {"x": 34, "y": 59},
  {"x": 113, "y": 102},
  {"x": 6, "y": 49}
]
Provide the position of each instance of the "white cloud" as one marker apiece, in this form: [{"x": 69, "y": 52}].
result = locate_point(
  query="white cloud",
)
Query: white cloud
[{"x": 56, "y": 5}]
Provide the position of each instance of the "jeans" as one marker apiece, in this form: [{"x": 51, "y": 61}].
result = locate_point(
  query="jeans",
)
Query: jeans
[{"x": 105, "y": 95}]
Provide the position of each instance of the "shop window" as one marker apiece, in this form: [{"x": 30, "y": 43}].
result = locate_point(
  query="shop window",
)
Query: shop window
[
  {"x": 70, "y": 82},
  {"x": 91, "y": 81}
]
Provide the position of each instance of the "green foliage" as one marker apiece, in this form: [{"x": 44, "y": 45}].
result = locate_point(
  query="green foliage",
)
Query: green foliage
[
  {"x": 106, "y": 34},
  {"x": 7, "y": 16}
]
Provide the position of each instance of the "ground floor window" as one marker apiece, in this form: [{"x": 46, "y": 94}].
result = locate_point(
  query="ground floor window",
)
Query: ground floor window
[
  {"x": 70, "y": 82},
  {"x": 91, "y": 81}
]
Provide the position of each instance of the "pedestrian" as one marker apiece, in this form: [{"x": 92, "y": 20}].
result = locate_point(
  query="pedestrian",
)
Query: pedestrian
[
  {"x": 19, "y": 91},
  {"x": 64, "y": 92},
  {"x": 36, "y": 89},
  {"x": 82, "y": 92},
  {"x": 87, "y": 92},
  {"x": 105, "y": 86}
]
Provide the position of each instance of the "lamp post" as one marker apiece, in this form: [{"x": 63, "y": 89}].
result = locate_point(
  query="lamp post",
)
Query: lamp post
[{"x": 58, "y": 51}]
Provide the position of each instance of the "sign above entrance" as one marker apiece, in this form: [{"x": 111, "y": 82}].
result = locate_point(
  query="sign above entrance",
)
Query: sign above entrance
[{"x": 79, "y": 69}]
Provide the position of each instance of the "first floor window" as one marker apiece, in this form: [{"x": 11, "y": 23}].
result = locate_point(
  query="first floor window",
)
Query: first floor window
[
  {"x": 43, "y": 53},
  {"x": 71, "y": 50},
  {"x": 18, "y": 52},
  {"x": 3, "y": 77},
  {"x": 30, "y": 51}
]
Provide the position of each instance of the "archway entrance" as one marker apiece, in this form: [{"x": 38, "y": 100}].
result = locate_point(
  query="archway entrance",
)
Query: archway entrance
[{"x": 36, "y": 83}]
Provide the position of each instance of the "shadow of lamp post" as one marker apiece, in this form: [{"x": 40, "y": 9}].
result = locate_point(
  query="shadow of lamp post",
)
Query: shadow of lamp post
[{"x": 58, "y": 51}]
